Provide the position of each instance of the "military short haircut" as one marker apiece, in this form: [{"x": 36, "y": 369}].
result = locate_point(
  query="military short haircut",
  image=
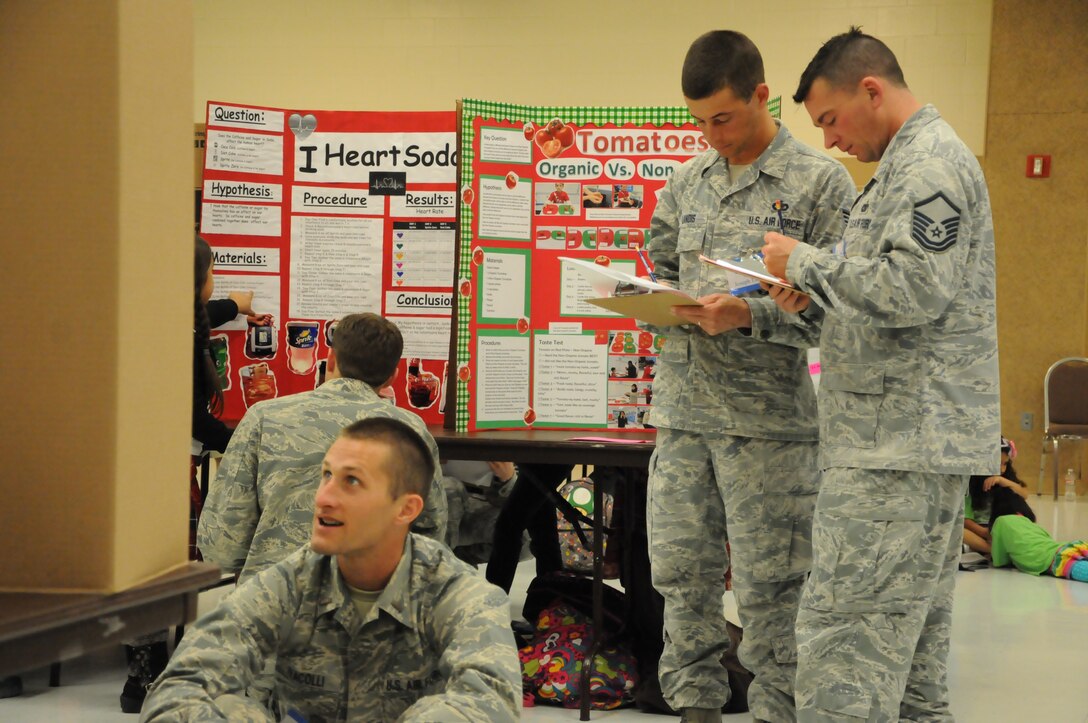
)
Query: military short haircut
[
  {"x": 847, "y": 58},
  {"x": 368, "y": 347},
  {"x": 410, "y": 465},
  {"x": 722, "y": 59}
]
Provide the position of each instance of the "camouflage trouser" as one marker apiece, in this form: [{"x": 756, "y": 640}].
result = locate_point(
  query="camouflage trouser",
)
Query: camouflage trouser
[
  {"x": 455, "y": 506},
  {"x": 765, "y": 490},
  {"x": 876, "y": 615}
]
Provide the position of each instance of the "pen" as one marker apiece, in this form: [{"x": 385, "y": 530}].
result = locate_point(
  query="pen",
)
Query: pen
[
  {"x": 646, "y": 263},
  {"x": 778, "y": 206}
]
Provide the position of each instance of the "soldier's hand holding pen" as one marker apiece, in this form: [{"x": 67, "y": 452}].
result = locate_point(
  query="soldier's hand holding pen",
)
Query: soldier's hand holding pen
[{"x": 776, "y": 252}]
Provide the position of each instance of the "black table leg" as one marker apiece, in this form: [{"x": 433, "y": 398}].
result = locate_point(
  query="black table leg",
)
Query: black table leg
[{"x": 598, "y": 595}]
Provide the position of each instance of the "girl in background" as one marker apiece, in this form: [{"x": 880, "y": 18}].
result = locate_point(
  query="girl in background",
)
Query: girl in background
[
  {"x": 1010, "y": 534},
  {"x": 210, "y": 434},
  {"x": 989, "y": 494}
]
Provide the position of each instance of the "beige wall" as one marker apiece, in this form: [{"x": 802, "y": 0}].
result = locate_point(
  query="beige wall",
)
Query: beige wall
[
  {"x": 96, "y": 299},
  {"x": 1038, "y": 105},
  {"x": 425, "y": 54}
]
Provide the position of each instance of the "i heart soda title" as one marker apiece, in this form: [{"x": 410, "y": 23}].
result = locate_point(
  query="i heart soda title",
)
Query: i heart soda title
[{"x": 391, "y": 156}]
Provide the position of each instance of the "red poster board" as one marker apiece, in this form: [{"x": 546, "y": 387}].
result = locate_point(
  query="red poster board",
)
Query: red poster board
[
  {"x": 324, "y": 214},
  {"x": 538, "y": 184}
]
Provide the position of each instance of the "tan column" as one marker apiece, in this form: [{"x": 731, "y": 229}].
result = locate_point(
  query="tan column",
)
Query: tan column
[{"x": 96, "y": 294}]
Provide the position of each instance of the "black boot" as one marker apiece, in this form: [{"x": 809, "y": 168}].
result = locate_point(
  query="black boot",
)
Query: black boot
[
  {"x": 132, "y": 695},
  {"x": 145, "y": 663}
]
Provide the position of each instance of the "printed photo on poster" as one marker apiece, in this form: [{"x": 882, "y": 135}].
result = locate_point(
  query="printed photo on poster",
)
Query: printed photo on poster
[{"x": 554, "y": 199}]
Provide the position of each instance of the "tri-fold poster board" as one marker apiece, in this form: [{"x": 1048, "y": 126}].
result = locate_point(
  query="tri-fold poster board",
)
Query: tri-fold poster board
[
  {"x": 454, "y": 226},
  {"x": 323, "y": 214}
]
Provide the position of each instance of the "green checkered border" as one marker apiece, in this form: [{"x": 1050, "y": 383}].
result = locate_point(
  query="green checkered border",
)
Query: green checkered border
[
  {"x": 774, "y": 105},
  {"x": 660, "y": 116}
]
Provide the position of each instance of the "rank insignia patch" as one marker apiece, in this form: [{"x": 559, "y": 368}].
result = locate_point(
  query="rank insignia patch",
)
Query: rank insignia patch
[{"x": 936, "y": 223}]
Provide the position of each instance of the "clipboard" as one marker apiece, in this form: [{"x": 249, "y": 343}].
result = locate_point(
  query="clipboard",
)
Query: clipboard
[
  {"x": 654, "y": 307},
  {"x": 645, "y": 300},
  {"x": 753, "y": 269}
]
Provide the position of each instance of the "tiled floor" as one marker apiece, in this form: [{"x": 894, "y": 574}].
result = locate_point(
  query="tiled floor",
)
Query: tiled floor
[{"x": 1019, "y": 652}]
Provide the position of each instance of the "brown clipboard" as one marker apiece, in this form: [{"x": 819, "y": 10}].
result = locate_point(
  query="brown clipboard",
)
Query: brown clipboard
[{"x": 653, "y": 308}]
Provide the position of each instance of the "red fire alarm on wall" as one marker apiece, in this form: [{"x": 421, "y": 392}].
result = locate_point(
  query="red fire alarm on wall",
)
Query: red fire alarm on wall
[{"x": 1038, "y": 167}]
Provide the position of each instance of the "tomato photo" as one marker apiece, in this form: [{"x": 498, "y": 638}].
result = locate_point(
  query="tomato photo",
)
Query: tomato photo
[
  {"x": 523, "y": 325},
  {"x": 467, "y": 196},
  {"x": 565, "y": 135},
  {"x": 465, "y": 288},
  {"x": 477, "y": 256},
  {"x": 464, "y": 373},
  {"x": 551, "y": 148},
  {"x": 602, "y": 260},
  {"x": 530, "y": 416},
  {"x": 511, "y": 180},
  {"x": 528, "y": 130}
]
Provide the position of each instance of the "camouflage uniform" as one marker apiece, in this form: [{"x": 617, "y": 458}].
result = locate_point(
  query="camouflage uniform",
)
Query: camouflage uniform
[
  {"x": 436, "y": 646},
  {"x": 475, "y": 498},
  {"x": 261, "y": 506},
  {"x": 736, "y": 421},
  {"x": 909, "y": 408}
]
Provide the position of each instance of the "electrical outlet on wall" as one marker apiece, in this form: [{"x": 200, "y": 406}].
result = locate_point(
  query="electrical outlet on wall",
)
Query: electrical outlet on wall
[{"x": 1027, "y": 421}]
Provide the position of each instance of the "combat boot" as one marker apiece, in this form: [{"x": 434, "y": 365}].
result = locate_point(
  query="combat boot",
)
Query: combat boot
[{"x": 145, "y": 663}]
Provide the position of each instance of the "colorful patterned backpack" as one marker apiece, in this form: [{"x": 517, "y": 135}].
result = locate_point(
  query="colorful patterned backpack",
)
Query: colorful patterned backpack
[
  {"x": 551, "y": 663},
  {"x": 576, "y": 556}
]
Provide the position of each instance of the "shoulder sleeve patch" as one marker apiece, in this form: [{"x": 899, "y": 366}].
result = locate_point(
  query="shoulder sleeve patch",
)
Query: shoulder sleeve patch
[{"x": 935, "y": 224}]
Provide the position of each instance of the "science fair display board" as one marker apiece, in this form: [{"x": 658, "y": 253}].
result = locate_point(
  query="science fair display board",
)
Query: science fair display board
[
  {"x": 323, "y": 214},
  {"x": 539, "y": 183}
]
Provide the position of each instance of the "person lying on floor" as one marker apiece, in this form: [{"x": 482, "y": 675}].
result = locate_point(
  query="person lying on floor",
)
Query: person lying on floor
[
  {"x": 987, "y": 495},
  {"x": 1012, "y": 537}
]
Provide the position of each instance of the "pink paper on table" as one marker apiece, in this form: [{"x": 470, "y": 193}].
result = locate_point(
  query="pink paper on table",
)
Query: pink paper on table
[{"x": 610, "y": 440}]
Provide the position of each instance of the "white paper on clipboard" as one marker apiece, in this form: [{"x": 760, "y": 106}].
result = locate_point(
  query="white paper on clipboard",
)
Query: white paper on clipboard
[
  {"x": 603, "y": 279},
  {"x": 641, "y": 299},
  {"x": 751, "y": 268}
]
